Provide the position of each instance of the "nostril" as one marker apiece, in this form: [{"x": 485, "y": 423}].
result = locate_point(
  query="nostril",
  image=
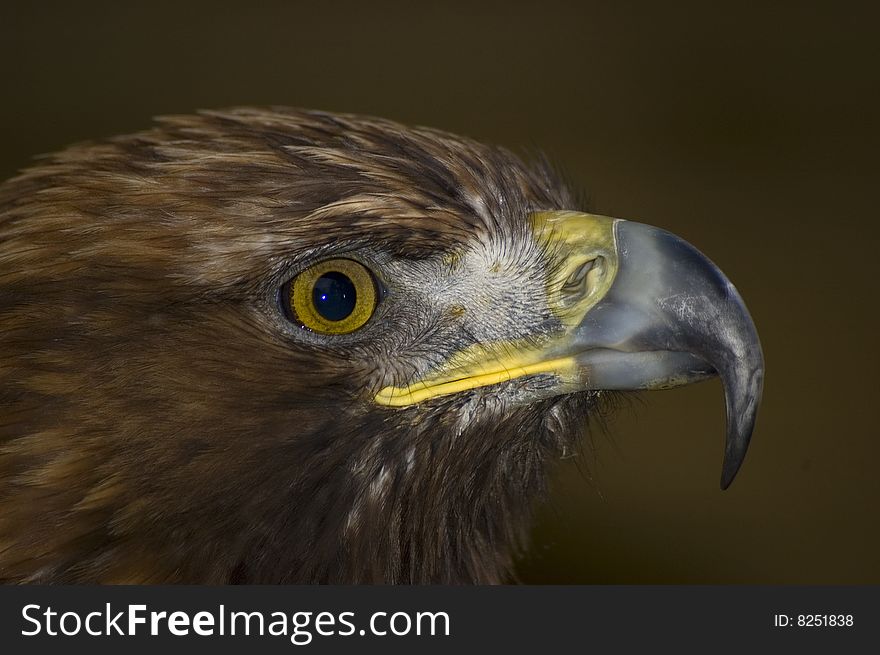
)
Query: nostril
[
  {"x": 580, "y": 279},
  {"x": 575, "y": 281},
  {"x": 583, "y": 281}
]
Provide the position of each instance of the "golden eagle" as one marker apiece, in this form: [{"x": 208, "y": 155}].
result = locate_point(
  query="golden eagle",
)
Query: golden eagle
[{"x": 284, "y": 346}]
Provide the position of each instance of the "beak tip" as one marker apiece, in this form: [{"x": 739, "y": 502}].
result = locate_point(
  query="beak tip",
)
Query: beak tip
[
  {"x": 729, "y": 469},
  {"x": 726, "y": 479},
  {"x": 735, "y": 451},
  {"x": 743, "y": 400}
]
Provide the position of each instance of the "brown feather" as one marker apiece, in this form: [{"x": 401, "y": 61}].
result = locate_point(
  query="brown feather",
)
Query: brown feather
[{"x": 159, "y": 422}]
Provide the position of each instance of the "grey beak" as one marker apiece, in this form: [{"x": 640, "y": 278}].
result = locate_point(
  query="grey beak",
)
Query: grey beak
[{"x": 669, "y": 318}]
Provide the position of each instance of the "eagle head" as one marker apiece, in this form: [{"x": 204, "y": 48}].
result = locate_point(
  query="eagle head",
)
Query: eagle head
[{"x": 283, "y": 346}]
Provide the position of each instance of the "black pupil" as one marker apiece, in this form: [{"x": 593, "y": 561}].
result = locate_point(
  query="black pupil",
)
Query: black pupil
[{"x": 334, "y": 296}]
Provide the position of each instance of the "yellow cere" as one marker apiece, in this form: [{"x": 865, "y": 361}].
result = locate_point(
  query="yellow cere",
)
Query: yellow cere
[{"x": 576, "y": 239}]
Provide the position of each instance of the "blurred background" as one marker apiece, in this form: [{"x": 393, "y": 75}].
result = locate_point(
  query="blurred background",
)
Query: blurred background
[{"x": 751, "y": 131}]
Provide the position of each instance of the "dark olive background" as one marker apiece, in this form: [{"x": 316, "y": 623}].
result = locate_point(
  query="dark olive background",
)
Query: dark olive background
[{"x": 749, "y": 131}]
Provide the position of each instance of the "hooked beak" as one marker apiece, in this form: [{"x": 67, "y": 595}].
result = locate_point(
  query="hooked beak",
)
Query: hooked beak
[{"x": 641, "y": 309}]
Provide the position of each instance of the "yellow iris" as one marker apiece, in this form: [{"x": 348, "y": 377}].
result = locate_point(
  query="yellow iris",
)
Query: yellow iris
[{"x": 336, "y": 296}]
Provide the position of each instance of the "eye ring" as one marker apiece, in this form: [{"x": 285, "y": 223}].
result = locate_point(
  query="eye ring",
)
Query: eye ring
[{"x": 333, "y": 297}]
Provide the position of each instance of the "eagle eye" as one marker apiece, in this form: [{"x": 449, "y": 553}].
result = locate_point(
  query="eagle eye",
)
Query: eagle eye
[{"x": 336, "y": 296}]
